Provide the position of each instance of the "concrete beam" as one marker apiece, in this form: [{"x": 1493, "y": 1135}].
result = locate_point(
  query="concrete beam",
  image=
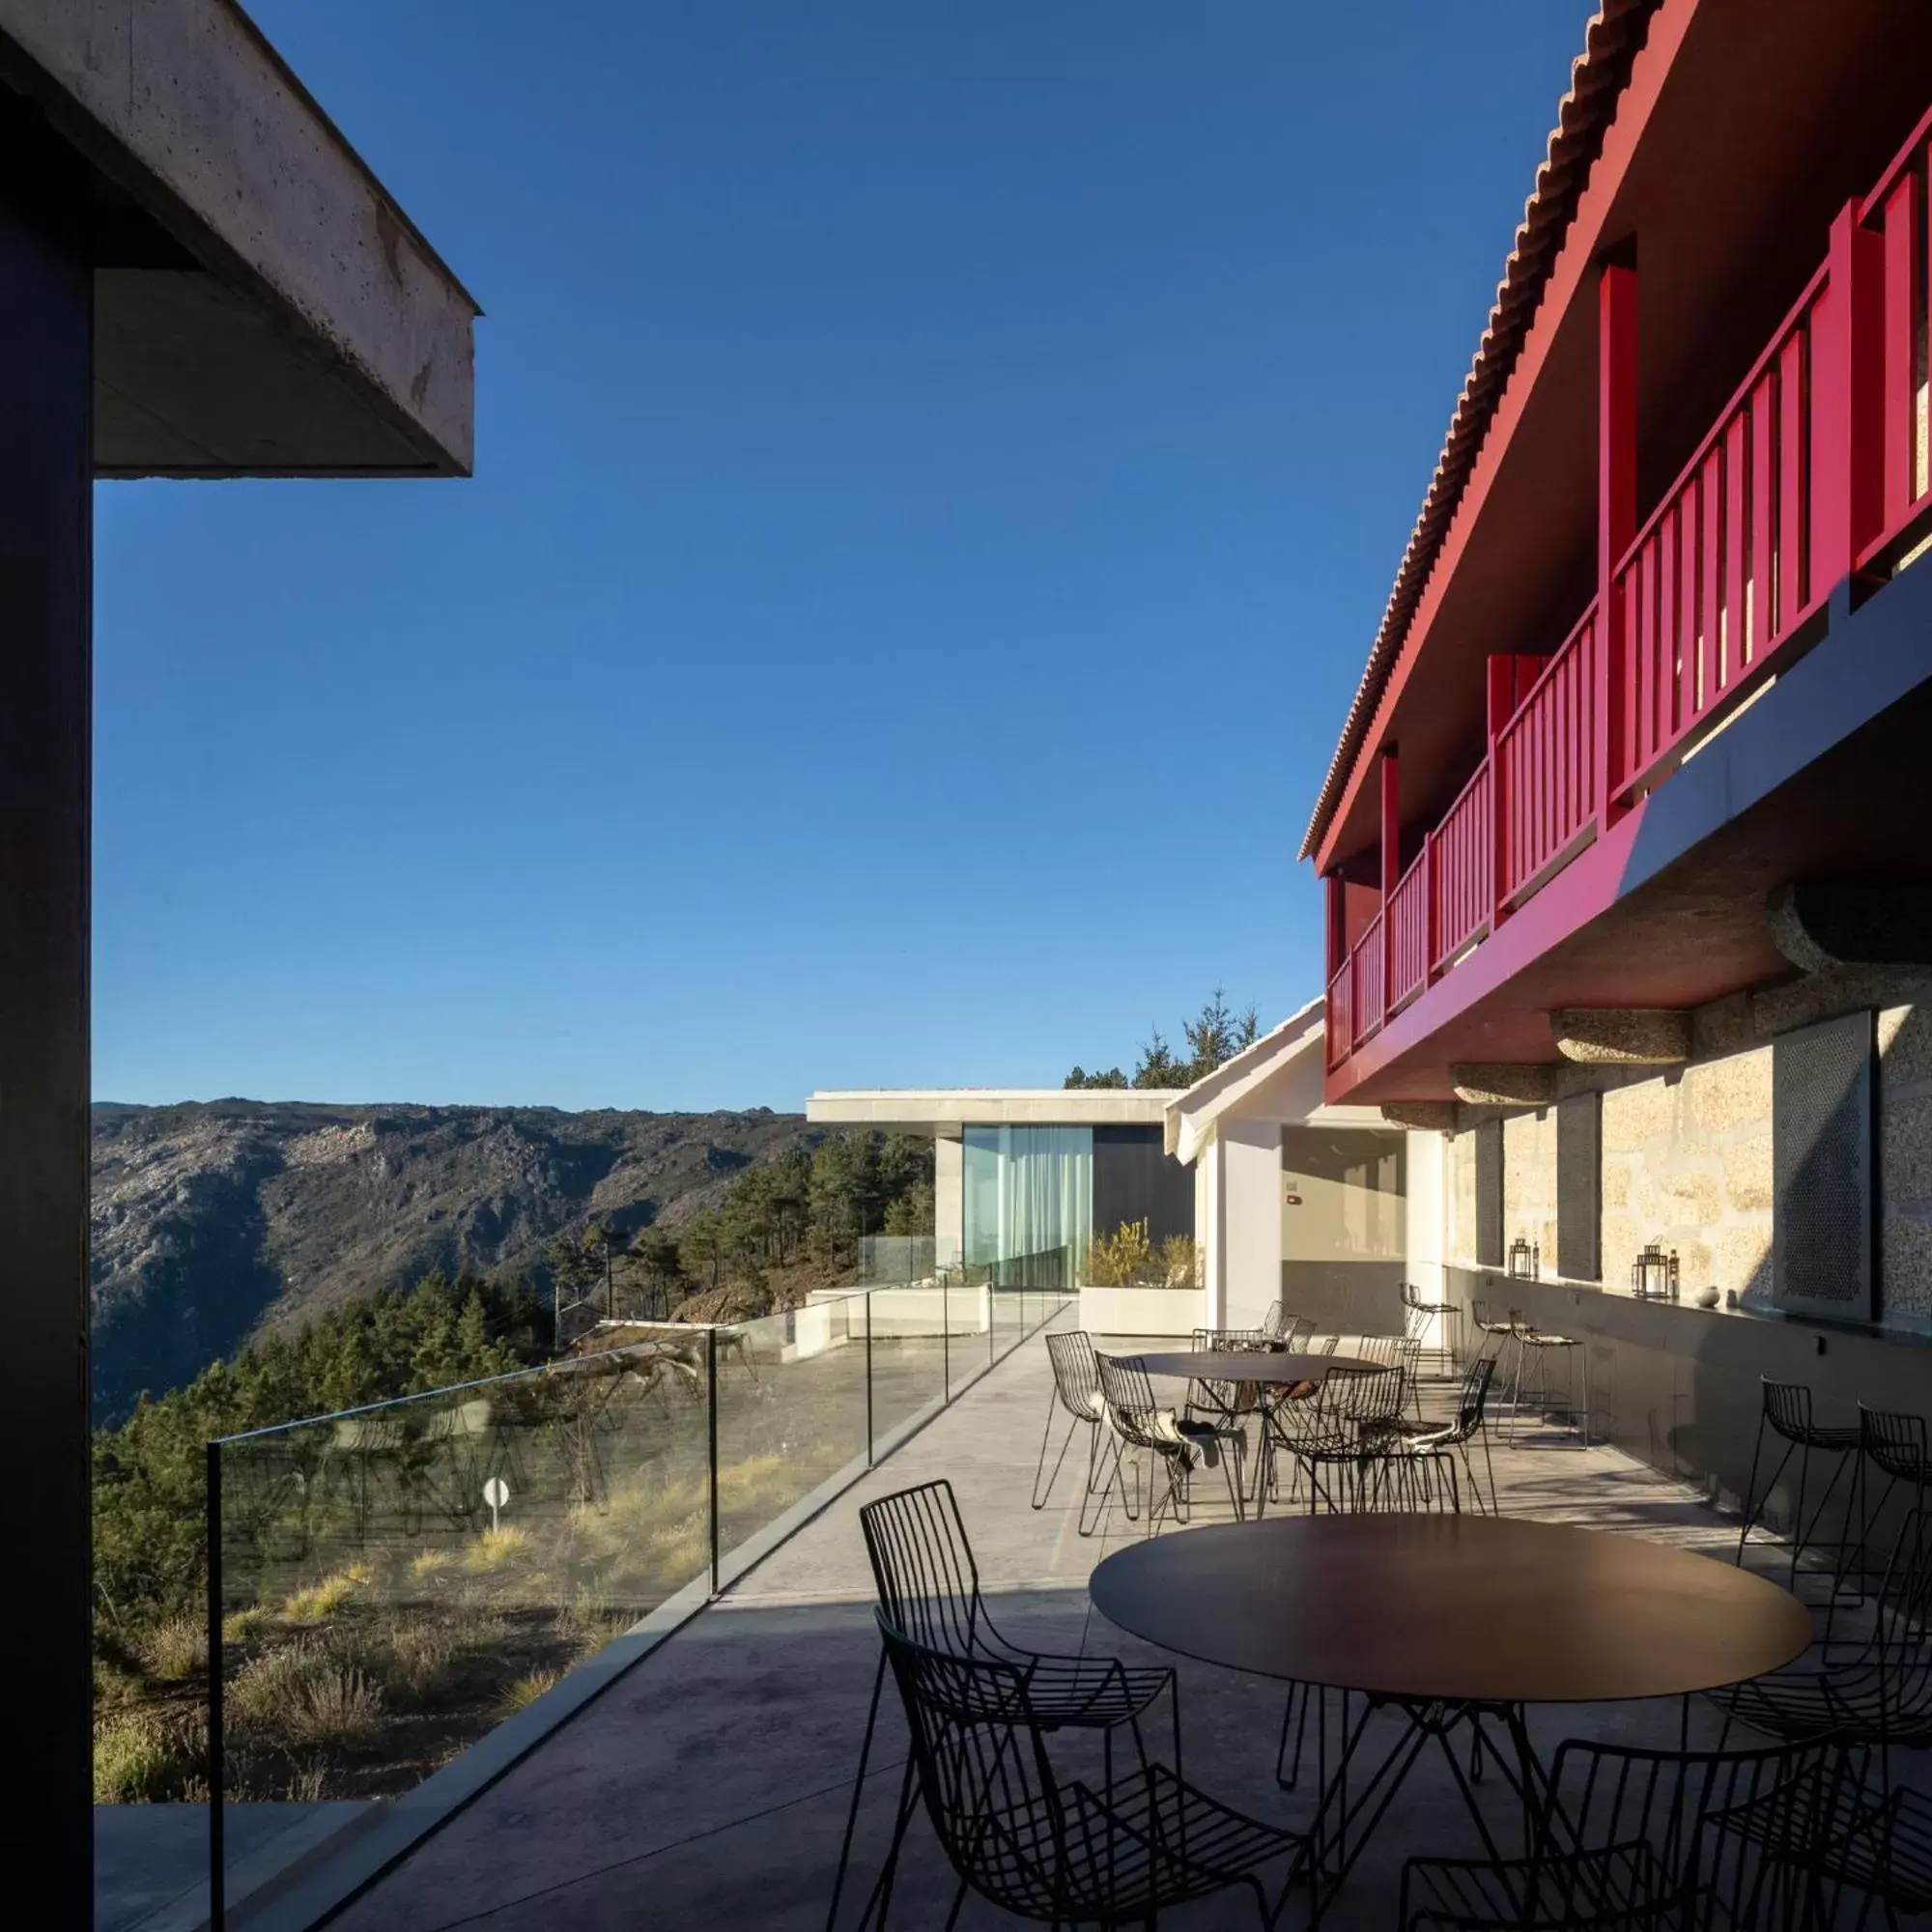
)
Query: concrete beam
[
  {"x": 1827, "y": 922},
  {"x": 1504, "y": 1083},
  {"x": 940, "y": 1109},
  {"x": 1423, "y": 1117},
  {"x": 300, "y": 325},
  {"x": 1622, "y": 1036}
]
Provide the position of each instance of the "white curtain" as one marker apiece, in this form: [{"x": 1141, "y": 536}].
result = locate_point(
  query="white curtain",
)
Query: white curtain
[{"x": 1029, "y": 1191}]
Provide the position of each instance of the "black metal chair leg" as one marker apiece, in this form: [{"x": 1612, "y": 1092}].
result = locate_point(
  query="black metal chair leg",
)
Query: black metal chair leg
[
  {"x": 857, "y": 1793},
  {"x": 1041, "y": 1496}
]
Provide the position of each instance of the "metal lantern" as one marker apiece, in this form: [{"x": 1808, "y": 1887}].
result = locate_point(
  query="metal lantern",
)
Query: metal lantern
[
  {"x": 1525, "y": 1260},
  {"x": 1653, "y": 1275}
]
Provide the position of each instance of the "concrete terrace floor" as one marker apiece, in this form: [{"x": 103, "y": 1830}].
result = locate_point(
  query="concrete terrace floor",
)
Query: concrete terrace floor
[{"x": 710, "y": 1786}]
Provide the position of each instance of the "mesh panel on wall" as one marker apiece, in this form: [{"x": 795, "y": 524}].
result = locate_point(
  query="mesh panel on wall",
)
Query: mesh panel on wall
[
  {"x": 1821, "y": 1113},
  {"x": 1489, "y": 1194},
  {"x": 1580, "y": 1186}
]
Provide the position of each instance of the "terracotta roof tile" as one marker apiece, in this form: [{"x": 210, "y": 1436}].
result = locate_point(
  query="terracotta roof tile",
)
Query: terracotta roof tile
[{"x": 1597, "y": 78}]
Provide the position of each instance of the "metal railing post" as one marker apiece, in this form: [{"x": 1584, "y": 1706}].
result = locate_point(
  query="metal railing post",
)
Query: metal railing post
[
  {"x": 868, "y": 1379},
  {"x": 711, "y": 1395},
  {"x": 945, "y": 1339},
  {"x": 218, "y": 1877}
]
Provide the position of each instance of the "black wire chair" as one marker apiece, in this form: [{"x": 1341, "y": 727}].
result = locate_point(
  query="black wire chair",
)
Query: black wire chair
[
  {"x": 1882, "y": 1695},
  {"x": 1175, "y": 1443},
  {"x": 1052, "y": 1851},
  {"x": 1340, "y": 1434},
  {"x": 1410, "y": 1455},
  {"x": 1076, "y": 1391},
  {"x": 1787, "y": 1413},
  {"x": 1624, "y": 1838},
  {"x": 928, "y": 1588},
  {"x": 1848, "y": 1834},
  {"x": 1892, "y": 1444}
]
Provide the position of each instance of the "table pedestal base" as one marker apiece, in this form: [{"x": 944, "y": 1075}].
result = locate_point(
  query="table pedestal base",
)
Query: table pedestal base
[{"x": 1344, "y": 1821}]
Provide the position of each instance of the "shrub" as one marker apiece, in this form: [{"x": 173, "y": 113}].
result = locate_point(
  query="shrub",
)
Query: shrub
[
  {"x": 432, "y": 1563},
  {"x": 1180, "y": 1261},
  {"x": 175, "y": 1649},
  {"x": 338, "y": 1704},
  {"x": 238, "y": 1626},
  {"x": 414, "y": 1659},
  {"x": 1121, "y": 1259},
  {"x": 268, "y": 1687}
]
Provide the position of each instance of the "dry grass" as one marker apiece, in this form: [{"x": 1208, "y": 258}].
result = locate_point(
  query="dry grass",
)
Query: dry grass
[
  {"x": 527, "y": 1689},
  {"x": 497, "y": 1548},
  {"x": 336, "y": 1706},
  {"x": 176, "y": 1650},
  {"x": 238, "y": 1626},
  {"x": 431, "y": 1564},
  {"x": 321, "y": 1600},
  {"x": 140, "y": 1760},
  {"x": 414, "y": 1659}
]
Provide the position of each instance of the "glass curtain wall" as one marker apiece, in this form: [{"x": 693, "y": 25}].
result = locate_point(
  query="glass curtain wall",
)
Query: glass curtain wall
[{"x": 1028, "y": 1191}]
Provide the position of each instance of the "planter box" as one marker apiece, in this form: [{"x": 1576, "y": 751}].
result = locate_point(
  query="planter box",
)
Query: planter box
[{"x": 1142, "y": 1311}]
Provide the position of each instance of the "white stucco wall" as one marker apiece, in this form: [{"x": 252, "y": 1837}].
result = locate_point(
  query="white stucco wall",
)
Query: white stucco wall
[{"x": 1250, "y": 1231}]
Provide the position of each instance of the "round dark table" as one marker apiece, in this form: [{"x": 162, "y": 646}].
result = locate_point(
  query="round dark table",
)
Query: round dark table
[
  {"x": 1247, "y": 1365},
  {"x": 1453, "y": 1609},
  {"x": 1452, "y": 1620}
]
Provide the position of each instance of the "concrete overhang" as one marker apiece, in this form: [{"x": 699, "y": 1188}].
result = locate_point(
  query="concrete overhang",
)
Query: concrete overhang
[
  {"x": 263, "y": 307},
  {"x": 947, "y": 1109}
]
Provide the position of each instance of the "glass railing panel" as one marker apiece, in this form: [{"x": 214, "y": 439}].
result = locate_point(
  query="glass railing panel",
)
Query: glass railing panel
[
  {"x": 911, "y": 1358},
  {"x": 394, "y": 1582},
  {"x": 791, "y": 1420},
  {"x": 965, "y": 1327}
]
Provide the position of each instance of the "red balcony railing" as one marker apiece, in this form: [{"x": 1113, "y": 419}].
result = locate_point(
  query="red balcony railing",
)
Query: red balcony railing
[
  {"x": 1340, "y": 1015},
  {"x": 1820, "y": 464},
  {"x": 1408, "y": 933},
  {"x": 1897, "y": 210},
  {"x": 1721, "y": 574},
  {"x": 1369, "y": 1001},
  {"x": 1544, "y": 751},
  {"x": 1461, "y": 857}
]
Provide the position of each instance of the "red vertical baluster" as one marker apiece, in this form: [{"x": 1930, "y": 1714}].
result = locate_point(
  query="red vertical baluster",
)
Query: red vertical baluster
[
  {"x": 1687, "y": 520},
  {"x": 1669, "y": 722},
  {"x": 1737, "y": 542},
  {"x": 1793, "y": 485},
  {"x": 1847, "y": 405},
  {"x": 1902, "y": 243},
  {"x": 1763, "y": 509},
  {"x": 1711, "y": 598}
]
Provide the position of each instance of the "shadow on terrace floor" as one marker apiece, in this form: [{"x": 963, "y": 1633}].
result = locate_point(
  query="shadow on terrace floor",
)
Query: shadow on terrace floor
[{"x": 710, "y": 1784}]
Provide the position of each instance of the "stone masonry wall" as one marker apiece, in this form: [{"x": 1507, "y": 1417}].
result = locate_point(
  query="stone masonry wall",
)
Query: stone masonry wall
[{"x": 1688, "y": 1152}]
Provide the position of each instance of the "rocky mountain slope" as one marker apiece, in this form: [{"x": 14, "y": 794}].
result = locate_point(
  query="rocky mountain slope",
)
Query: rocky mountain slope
[{"x": 212, "y": 1219}]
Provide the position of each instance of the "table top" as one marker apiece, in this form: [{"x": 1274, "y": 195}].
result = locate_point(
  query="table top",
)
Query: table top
[
  {"x": 1464, "y": 1608},
  {"x": 1247, "y": 1365}
]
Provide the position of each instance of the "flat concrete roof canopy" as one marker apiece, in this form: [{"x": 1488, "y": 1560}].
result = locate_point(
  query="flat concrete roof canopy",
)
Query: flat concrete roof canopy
[
  {"x": 930, "y": 1109},
  {"x": 263, "y": 306}
]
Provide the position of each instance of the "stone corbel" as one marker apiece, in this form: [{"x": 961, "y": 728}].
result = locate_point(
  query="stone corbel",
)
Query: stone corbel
[
  {"x": 1504, "y": 1083},
  {"x": 1622, "y": 1036}
]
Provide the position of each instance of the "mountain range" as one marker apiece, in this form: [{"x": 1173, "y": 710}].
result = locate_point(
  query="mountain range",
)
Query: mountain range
[{"x": 215, "y": 1220}]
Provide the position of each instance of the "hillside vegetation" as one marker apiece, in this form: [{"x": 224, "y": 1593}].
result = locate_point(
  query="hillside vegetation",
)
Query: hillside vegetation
[
  {"x": 405, "y": 1686},
  {"x": 218, "y": 1220}
]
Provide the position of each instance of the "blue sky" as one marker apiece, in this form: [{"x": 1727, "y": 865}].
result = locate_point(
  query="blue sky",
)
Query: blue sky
[{"x": 939, "y": 470}]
